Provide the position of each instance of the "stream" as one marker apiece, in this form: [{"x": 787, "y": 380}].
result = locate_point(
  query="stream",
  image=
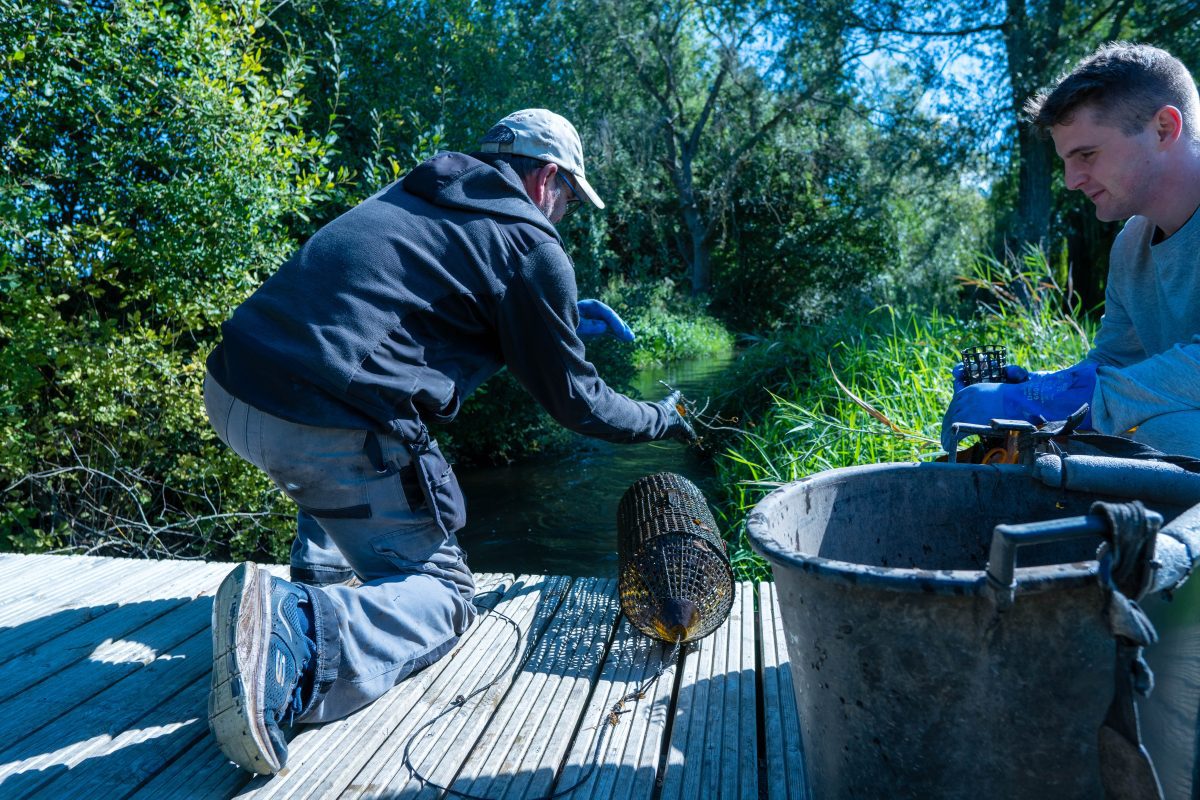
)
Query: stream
[{"x": 557, "y": 514}]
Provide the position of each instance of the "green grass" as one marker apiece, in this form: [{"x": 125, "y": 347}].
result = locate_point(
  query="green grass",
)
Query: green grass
[{"x": 874, "y": 389}]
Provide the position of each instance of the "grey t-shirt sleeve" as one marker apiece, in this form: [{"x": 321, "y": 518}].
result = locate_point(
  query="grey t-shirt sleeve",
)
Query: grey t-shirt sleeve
[
  {"x": 1167, "y": 383},
  {"x": 1130, "y": 289},
  {"x": 537, "y": 321},
  {"x": 1149, "y": 340},
  {"x": 1117, "y": 343}
]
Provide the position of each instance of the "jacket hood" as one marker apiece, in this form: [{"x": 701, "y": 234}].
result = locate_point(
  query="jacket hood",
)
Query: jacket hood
[{"x": 456, "y": 180}]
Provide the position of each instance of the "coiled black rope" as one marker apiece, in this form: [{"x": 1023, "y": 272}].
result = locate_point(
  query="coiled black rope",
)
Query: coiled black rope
[{"x": 612, "y": 717}]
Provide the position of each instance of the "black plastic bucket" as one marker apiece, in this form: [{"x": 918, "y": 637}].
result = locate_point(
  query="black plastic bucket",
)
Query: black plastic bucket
[{"x": 911, "y": 681}]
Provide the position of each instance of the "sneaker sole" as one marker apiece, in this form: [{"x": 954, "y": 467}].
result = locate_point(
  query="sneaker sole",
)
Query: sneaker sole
[{"x": 241, "y": 616}]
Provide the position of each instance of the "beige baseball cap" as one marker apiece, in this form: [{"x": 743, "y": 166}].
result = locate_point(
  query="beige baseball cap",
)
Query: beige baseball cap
[{"x": 544, "y": 135}]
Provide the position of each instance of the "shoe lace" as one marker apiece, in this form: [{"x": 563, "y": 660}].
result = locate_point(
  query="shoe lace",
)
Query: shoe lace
[
  {"x": 290, "y": 610},
  {"x": 296, "y": 706}
]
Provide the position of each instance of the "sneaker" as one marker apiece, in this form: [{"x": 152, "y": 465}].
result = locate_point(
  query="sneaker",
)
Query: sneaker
[{"x": 261, "y": 666}]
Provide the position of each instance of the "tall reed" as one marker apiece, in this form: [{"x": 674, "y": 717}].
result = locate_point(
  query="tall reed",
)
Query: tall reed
[{"x": 874, "y": 389}]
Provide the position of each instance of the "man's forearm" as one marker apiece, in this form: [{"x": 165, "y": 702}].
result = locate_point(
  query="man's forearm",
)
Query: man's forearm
[{"x": 1166, "y": 383}]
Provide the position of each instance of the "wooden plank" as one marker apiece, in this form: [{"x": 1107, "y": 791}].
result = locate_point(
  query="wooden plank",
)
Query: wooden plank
[
  {"x": 45, "y": 618},
  {"x": 519, "y": 753},
  {"x": 198, "y": 772},
  {"x": 746, "y": 735},
  {"x": 26, "y": 579},
  {"x": 704, "y": 756},
  {"x": 61, "y": 580},
  {"x": 79, "y": 684},
  {"x": 443, "y": 733},
  {"x": 124, "y": 734},
  {"x": 784, "y": 754},
  {"x": 157, "y": 598},
  {"x": 49, "y": 631},
  {"x": 689, "y": 703},
  {"x": 163, "y": 693},
  {"x": 626, "y": 766},
  {"x": 713, "y": 733},
  {"x": 51, "y": 587},
  {"x": 113, "y": 768},
  {"x": 147, "y": 731},
  {"x": 136, "y": 754},
  {"x": 323, "y": 769},
  {"x": 68, "y": 578},
  {"x": 13, "y": 564},
  {"x": 322, "y": 759},
  {"x": 10, "y": 561},
  {"x": 146, "y": 722}
]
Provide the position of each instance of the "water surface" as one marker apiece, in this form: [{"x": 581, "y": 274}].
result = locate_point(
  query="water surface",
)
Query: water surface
[{"x": 558, "y": 514}]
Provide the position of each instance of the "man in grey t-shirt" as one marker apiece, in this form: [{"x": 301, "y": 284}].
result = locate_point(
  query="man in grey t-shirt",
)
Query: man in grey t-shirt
[{"x": 1126, "y": 123}]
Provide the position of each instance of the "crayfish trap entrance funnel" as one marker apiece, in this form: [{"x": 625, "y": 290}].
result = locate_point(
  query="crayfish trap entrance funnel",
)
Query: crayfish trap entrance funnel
[{"x": 676, "y": 581}]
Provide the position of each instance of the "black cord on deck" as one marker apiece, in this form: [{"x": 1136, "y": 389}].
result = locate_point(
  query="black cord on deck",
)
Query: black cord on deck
[{"x": 612, "y": 717}]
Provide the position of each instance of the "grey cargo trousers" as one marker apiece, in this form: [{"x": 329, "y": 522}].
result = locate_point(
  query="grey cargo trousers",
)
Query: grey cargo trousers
[{"x": 415, "y": 601}]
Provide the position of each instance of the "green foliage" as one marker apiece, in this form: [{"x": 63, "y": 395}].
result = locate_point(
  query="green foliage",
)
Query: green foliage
[
  {"x": 150, "y": 168},
  {"x": 873, "y": 389},
  {"x": 498, "y": 424},
  {"x": 803, "y": 208},
  {"x": 804, "y": 259},
  {"x": 160, "y": 159},
  {"x": 669, "y": 326},
  {"x": 501, "y": 422}
]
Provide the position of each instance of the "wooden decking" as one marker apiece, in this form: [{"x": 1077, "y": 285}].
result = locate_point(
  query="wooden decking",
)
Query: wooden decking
[{"x": 104, "y": 670}]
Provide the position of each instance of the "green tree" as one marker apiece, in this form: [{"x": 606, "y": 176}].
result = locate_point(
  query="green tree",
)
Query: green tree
[
  {"x": 1017, "y": 47},
  {"x": 151, "y": 164},
  {"x": 716, "y": 84}
]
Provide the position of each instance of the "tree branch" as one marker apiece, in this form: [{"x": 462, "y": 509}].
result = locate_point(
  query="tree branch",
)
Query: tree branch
[
  {"x": 1184, "y": 13},
  {"x": 1100, "y": 15},
  {"x": 640, "y": 70},
  {"x": 996, "y": 26},
  {"x": 710, "y": 102},
  {"x": 728, "y": 61}
]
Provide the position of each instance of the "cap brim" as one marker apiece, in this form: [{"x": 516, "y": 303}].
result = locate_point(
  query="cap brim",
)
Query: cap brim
[{"x": 588, "y": 192}]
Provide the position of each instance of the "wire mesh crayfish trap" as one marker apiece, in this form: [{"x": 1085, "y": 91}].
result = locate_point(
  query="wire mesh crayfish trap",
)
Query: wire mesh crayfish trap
[
  {"x": 676, "y": 581},
  {"x": 984, "y": 364}
]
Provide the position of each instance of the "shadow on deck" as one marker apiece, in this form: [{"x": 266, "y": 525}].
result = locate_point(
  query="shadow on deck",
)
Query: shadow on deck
[{"x": 104, "y": 670}]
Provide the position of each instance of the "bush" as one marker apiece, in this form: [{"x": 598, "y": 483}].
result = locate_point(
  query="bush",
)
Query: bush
[
  {"x": 159, "y": 162},
  {"x": 151, "y": 167},
  {"x": 669, "y": 325},
  {"x": 501, "y": 422}
]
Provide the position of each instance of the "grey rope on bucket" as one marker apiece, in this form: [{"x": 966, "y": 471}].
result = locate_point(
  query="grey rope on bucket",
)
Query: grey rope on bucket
[{"x": 1126, "y": 572}]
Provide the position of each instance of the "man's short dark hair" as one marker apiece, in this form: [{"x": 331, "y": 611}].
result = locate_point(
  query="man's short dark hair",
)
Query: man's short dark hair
[{"x": 1125, "y": 83}]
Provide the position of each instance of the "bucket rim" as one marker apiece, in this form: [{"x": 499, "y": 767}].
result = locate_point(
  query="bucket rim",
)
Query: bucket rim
[{"x": 902, "y": 579}]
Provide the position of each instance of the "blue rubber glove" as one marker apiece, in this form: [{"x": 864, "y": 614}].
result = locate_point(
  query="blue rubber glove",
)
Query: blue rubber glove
[
  {"x": 596, "y": 318},
  {"x": 1012, "y": 374},
  {"x": 1043, "y": 397}
]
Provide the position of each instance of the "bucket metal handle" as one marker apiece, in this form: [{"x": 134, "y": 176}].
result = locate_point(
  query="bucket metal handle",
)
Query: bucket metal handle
[
  {"x": 1126, "y": 769},
  {"x": 1002, "y": 558}
]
